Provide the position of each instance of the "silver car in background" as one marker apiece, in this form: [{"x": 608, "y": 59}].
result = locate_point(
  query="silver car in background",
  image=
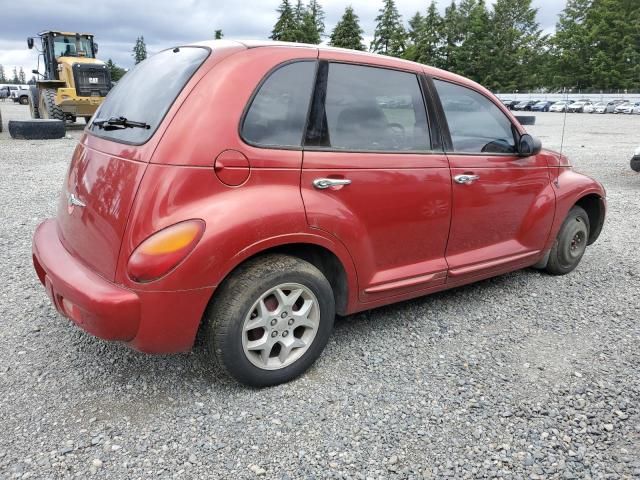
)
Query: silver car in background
[{"x": 560, "y": 106}]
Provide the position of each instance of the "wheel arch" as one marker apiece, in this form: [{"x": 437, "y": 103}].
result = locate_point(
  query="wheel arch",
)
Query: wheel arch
[
  {"x": 594, "y": 205},
  {"x": 320, "y": 256}
]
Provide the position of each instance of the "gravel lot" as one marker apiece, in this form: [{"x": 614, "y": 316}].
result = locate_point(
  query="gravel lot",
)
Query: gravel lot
[{"x": 521, "y": 376}]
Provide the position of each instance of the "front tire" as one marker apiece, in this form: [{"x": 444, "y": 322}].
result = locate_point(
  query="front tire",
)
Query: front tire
[
  {"x": 571, "y": 243},
  {"x": 48, "y": 108},
  {"x": 270, "y": 320},
  {"x": 635, "y": 163}
]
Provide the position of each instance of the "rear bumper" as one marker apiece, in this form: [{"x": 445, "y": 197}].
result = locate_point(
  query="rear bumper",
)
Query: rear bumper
[{"x": 154, "y": 322}]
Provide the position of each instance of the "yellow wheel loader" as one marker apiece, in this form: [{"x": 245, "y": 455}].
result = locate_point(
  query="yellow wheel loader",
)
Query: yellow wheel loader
[{"x": 74, "y": 82}]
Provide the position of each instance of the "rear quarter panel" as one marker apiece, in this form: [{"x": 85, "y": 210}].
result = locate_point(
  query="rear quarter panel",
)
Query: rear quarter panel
[{"x": 180, "y": 183}]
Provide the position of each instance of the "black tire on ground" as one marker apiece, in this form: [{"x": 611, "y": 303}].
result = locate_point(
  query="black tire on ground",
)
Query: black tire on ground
[
  {"x": 34, "y": 100},
  {"x": 48, "y": 108},
  {"x": 24, "y": 100},
  {"x": 635, "y": 162},
  {"x": 36, "y": 129},
  {"x": 571, "y": 243},
  {"x": 236, "y": 301}
]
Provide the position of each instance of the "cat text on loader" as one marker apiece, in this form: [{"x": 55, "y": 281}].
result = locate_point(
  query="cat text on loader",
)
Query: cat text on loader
[{"x": 74, "y": 82}]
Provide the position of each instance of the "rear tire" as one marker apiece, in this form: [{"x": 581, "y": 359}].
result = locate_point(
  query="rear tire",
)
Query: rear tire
[
  {"x": 34, "y": 100},
  {"x": 48, "y": 107},
  {"x": 36, "y": 129},
  {"x": 635, "y": 163},
  {"x": 24, "y": 100},
  {"x": 270, "y": 320},
  {"x": 571, "y": 243}
]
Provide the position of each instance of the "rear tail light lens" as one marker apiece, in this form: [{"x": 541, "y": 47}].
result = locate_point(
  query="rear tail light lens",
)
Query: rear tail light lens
[{"x": 164, "y": 250}]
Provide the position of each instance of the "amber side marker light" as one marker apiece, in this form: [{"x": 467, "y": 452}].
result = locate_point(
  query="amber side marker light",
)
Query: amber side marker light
[{"x": 164, "y": 250}]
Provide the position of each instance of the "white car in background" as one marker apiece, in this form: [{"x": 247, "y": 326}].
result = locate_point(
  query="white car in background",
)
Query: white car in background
[
  {"x": 600, "y": 107},
  {"x": 636, "y": 109},
  {"x": 626, "y": 107},
  {"x": 560, "y": 106},
  {"x": 590, "y": 107}
]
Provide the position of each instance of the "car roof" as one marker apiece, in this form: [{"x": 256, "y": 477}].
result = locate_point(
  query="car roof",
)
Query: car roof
[{"x": 351, "y": 55}]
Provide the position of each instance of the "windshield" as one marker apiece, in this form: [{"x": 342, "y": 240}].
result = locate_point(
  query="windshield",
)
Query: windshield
[
  {"x": 146, "y": 93},
  {"x": 68, "y": 46}
]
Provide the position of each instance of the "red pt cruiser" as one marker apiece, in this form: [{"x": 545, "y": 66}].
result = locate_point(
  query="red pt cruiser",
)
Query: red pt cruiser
[{"x": 254, "y": 190}]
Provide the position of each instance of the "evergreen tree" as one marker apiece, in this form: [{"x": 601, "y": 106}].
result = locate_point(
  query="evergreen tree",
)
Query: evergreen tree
[
  {"x": 286, "y": 28},
  {"x": 15, "y": 78},
  {"x": 451, "y": 36},
  {"x": 515, "y": 59},
  {"x": 472, "y": 56},
  {"x": 390, "y": 36},
  {"x": 571, "y": 48},
  {"x": 22, "y": 77},
  {"x": 415, "y": 28},
  {"x": 3, "y": 79},
  {"x": 614, "y": 33},
  {"x": 139, "y": 50},
  {"x": 299, "y": 16},
  {"x": 116, "y": 72},
  {"x": 218, "y": 35},
  {"x": 311, "y": 23},
  {"x": 426, "y": 37},
  {"x": 317, "y": 13},
  {"x": 347, "y": 32}
]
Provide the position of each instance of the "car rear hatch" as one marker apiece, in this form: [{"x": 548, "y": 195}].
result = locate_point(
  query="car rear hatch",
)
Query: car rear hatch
[{"x": 110, "y": 161}]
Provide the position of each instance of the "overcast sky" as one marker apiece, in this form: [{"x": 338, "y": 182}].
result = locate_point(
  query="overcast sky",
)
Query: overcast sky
[{"x": 164, "y": 23}]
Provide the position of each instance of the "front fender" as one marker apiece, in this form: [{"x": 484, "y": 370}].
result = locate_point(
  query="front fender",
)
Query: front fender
[{"x": 571, "y": 187}]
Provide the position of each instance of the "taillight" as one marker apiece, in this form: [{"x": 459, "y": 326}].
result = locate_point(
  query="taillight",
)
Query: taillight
[{"x": 164, "y": 250}]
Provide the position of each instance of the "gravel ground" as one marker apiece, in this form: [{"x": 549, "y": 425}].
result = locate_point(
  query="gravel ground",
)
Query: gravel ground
[{"x": 521, "y": 376}]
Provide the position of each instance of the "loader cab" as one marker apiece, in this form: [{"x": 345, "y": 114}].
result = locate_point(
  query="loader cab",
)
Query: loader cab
[{"x": 57, "y": 45}]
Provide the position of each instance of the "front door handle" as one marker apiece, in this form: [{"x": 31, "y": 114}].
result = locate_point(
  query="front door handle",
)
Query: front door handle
[
  {"x": 466, "y": 178},
  {"x": 323, "y": 183}
]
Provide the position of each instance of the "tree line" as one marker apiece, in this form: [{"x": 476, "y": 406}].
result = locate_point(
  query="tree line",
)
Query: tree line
[
  {"x": 17, "y": 77},
  {"x": 596, "y": 45}
]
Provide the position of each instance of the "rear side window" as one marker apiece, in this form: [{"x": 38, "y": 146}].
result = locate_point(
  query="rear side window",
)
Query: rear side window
[
  {"x": 374, "y": 109},
  {"x": 476, "y": 124},
  {"x": 146, "y": 93},
  {"x": 278, "y": 113}
]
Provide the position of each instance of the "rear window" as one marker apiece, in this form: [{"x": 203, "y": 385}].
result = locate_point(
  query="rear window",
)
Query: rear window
[
  {"x": 278, "y": 113},
  {"x": 146, "y": 93}
]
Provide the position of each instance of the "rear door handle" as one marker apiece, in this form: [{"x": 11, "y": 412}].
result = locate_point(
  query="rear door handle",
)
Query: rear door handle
[
  {"x": 466, "y": 179},
  {"x": 324, "y": 183}
]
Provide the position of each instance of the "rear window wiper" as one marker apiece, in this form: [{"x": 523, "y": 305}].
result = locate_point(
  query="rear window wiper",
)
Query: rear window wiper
[{"x": 118, "y": 123}]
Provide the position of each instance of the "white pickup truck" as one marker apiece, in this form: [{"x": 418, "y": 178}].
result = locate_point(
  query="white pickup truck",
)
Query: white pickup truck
[
  {"x": 21, "y": 94},
  {"x": 17, "y": 93}
]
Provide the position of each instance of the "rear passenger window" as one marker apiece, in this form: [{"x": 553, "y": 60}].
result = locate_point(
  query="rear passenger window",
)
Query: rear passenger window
[
  {"x": 476, "y": 124},
  {"x": 278, "y": 114},
  {"x": 375, "y": 109}
]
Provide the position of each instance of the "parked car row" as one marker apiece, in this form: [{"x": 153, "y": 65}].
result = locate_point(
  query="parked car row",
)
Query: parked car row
[{"x": 575, "y": 106}]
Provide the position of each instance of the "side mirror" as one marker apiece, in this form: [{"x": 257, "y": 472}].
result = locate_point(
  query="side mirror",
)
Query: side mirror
[
  {"x": 35, "y": 72},
  {"x": 30, "y": 42},
  {"x": 95, "y": 48},
  {"x": 529, "y": 145}
]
